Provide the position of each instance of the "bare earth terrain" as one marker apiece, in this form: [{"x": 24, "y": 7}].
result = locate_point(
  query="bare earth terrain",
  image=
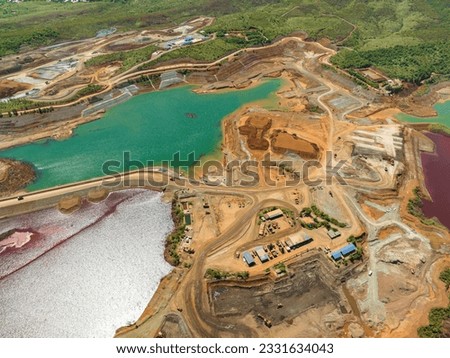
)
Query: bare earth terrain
[{"x": 241, "y": 272}]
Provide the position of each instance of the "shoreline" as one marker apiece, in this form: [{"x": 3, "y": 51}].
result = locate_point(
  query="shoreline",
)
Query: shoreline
[
  {"x": 62, "y": 131},
  {"x": 430, "y": 171},
  {"x": 70, "y": 127},
  {"x": 56, "y": 131},
  {"x": 127, "y": 200}
]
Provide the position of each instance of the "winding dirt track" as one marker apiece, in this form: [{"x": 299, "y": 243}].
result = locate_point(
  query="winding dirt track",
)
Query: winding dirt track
[
  {"x": 197, "y": 312},
  {"x": 110, "y": 83}
]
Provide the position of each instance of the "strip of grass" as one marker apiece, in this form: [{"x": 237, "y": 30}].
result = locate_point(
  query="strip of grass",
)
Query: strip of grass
[
  {"x": 221, "y": 275},
  {"x": 174, "y": 239},
  {"x": 14, "y": 105},
  {"x": 128, "y": 59},
  {"x": 439, "y": 128},
  {"x": 410, "y": 63},
  {"x": 445, "y": 277},
  {"x": 205, "y": 52},
  {"x": 415, "y": 208}
]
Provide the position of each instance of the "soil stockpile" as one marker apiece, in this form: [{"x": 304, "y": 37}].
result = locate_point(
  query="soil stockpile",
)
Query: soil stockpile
[{"x": 14, "y": 175}]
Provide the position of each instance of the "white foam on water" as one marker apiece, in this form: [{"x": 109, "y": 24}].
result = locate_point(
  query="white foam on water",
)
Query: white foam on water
[{"x": 94, "y": 283}]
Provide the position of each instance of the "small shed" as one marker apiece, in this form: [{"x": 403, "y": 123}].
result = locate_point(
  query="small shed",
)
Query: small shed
[
  {"x": 248, "y": 258},
  {"x": 333, "y": 234},
  {"x": 336, "y": 256},
  {"x": 262, "y": 254},
  {"x": 273, "y": 214}
]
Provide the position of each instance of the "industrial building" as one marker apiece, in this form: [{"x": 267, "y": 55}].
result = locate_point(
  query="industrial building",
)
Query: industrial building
[
  {"x": 297, "y": 240},
  {"x": 261, "y": 254},
  {"x": 343, "y": 251},
  {"x": 271, "y": 215},
  {"x": 336, "y": 256},
  {"x": 333, "y": 234},
  {"x": 248, "y": 258},
  {"x": 347, "y": 250}
]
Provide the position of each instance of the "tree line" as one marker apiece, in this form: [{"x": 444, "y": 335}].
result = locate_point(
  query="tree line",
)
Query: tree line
[{"x": 410, "y": 63}]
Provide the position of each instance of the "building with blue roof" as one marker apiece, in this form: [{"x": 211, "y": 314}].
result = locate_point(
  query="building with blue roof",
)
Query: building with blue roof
[
  {"x": 343, "y": 251},
  {"x": 248, "y": 258},
  {"x": 188, "y": 40},
  {"x": 347, "y": 250},
  {"x": 336, "y": 256}
]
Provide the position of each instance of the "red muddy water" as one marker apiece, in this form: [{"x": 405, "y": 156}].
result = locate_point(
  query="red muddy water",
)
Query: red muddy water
[{"x": 437, "y": 179}]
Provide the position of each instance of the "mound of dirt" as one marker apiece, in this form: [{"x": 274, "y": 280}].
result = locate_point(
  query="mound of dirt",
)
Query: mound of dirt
[
  {"x": 14, "y": 175},
  {"x": 283, "y": 142},
  {"x": 255, "y": 129},
  {"x": 69, "y": 204},
  {"x": 8, "y": 88},
  {"x": 97, "y": 195}
]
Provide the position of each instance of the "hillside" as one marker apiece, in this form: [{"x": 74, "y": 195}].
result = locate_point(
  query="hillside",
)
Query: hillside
[{"x": 412, "y": 30}]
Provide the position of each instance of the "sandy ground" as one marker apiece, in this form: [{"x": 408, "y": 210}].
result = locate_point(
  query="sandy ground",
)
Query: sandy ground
[
  {"x": 9, "y": 88},
  {"x": 385, "y": 114},
  {"x": 389, "y": 231},
  {"x": 418, "y": 315},
  {"x": 70, "y": 204}
]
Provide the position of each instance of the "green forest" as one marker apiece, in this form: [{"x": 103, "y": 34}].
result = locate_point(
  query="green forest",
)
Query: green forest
[{"x": 411, "y": 63}]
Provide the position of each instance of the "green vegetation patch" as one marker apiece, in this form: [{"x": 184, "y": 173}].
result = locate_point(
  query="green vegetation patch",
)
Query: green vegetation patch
[
  {"x": 128, "y": 59},
  {"x": 14, "y": 105},
  {"x": 437, "y": 315},
  {"x": 274, "y": 20},
  {"x": 176, "y": 236},
  {"x": 38, "y": 22},
  {"x": 439, "y": 128},
  {"x": 289, "y": 213},
  {"x": 356, "y": 239},
  {"x": 326, "y": 217},
  {"x": 222, "y": 275},
  {"x": 357, "y": 256},
  {"x": 36, "y": 38},
  {"x": 280, "y": 266},
  {"x": 315, "y": 213},
  {"x": 410, "y": 63},
  {"x": 86, "y": 91},
  {"x": 445, "y": 277},
  {"x": 414, "y": 207},
  {"x": 203, "y": 52}
]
